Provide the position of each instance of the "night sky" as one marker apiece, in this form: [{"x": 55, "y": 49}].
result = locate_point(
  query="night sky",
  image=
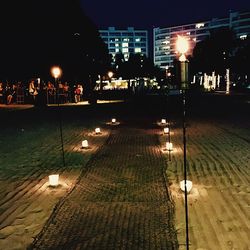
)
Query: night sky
[{"x": 153, "y": 13}]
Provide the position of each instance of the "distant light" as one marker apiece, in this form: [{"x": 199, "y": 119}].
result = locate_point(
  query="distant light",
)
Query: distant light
[
  {"x": 189, "y": 185},
  {"x": 110, "y": 74},
  {"x": 113, "y": 120},
  {"x": 169, "y": 146},
  {"x": 163, "y": 121},
  {"x": 97, "y": 130},
  {"x": 166, "y": 130},
  {"x": 199, "y": 25},
  {"x": 54, "y": 180},
  {"x": 85, "y": 144},
  {"x": 243, "y": 37},
  {"x": 56, "y": 71}
]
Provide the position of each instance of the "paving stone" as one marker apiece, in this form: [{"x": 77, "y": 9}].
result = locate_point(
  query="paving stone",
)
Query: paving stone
[{"x": 119, "y": 202}]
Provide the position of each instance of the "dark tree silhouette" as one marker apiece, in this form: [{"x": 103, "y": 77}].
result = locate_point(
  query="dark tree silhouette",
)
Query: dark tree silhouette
[
  {"x": 38, "y": 34},
  {"x": 214, "y": 53}
]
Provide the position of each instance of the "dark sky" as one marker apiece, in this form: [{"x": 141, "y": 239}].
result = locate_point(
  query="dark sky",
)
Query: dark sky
[{"x": 153, "y": 13}]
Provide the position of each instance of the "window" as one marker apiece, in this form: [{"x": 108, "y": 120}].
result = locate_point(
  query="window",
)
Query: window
[
  {"x": 199, "y": 25},
  {"x": 243, "y": 37},
  {"x": 114, "y": 34},
  {"x": 137, "y": 39},
  {"x": 140, "y": 33},
  {"x": 124, "y": 45},
  {"x": 125, "y": 50},
  {"x": 117, "y": 45},
  {"x": 137, "y": 50},
  {"x": 117, "y": 50}
]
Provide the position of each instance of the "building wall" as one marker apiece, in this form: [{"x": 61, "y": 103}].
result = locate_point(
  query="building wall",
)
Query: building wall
[
  {"x": 164, "y": 39},
  {"x": 127, "y": 41}
]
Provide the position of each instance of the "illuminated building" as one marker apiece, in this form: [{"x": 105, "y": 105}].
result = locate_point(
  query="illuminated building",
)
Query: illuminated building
[
  {"x": 126, "y": 41},
  {"x": 164, "y": 39}
]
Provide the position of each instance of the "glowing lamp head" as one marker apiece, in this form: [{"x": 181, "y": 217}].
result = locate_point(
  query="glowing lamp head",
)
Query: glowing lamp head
[
  {"x": 163, "y": 121},
  {"x": 182, "y": 45},
  {"x": 56, "y": 72},
  {"x": 166, "y": 130},
  {"x": 110, "y": 74},
  {"x": 113, "y": 120},
  {"x": 169, "y": 146},
  {"x": 189, "y": 185},
  {"x": 97, "y": 130},
  {"x": 54, "y": 180},
  {"x": 85, "y": 144}
]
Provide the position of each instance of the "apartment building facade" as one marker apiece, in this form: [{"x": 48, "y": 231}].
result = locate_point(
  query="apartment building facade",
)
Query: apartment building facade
[
  {"x": 164, "y": 39},
  {"x": 126, "y": 41}
]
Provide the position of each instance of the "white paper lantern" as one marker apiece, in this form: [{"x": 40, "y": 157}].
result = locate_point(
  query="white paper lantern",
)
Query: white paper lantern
[
  {"x": 166, "y": 130},
  {"x": 54, "y": 180},
  {"x": 113, "y": 120},
  {"x": 189, "y": 185},
  {"x": 85, "y": 144},
  {"x": 163, "y": 121},
  {"x": 97, "y": 130},
  {"x": 169, "y": 146}
]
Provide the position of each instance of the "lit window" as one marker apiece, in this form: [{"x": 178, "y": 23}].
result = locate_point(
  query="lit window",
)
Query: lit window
[
  {"x": 126, "y": 39},
  {"x": 137, "y": 50},
  {"x": 194, "y": 39},
  {"x": 242, "y": 37},
  {"x": 124, "y": 44},
  {"x": 199, "y": 25},
  {"x": 117, "y": 39},
  {"x": 117, "y": 45},
  {"x": 137, "y": 39},
  {"x": 188, "y": 33},
  {"x": 124, "y": 50},
  {"x": 117, "y": 50}
]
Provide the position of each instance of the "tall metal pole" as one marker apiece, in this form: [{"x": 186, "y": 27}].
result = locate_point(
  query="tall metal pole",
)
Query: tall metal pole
[
  {"x": 185, "y": 164},
  {"x": 182, "y": 47},
  {"x": 60, "y": 122}
]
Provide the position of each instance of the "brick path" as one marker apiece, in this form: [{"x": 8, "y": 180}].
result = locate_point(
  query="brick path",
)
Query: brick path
[{"x": 119, "y": 202}]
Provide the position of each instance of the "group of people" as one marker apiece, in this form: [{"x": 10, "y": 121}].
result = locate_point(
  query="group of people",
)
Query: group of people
[{"x": 36, "y": 91}]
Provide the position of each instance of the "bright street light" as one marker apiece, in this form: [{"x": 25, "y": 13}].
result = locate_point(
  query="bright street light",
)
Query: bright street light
[
  {"x": 182, "y": 45},
  {"x": 110, "y": 74},
  {"x": 56, "y": 72}
]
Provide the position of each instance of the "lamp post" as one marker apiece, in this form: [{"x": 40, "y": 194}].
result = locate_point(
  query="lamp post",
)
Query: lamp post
[
  {"x": 182, "y": 48},
  {"x": 56, "y": 72}
]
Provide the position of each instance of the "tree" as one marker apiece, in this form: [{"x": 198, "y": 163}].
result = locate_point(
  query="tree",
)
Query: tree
[
  {"x": 39, "y": 34},
  {"x": 214, "y": 53}
]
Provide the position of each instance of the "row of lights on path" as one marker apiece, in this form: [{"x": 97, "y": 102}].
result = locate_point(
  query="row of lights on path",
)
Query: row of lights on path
[
  {"x": 169, "y": 148},
  {"x": 54, "y": 178}
]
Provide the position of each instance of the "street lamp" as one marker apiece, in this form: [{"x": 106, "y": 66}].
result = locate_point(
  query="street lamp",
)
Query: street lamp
[
  {"x": 110, "y": 74},
  {"x": 56, "y": 72},
  {"x": 182, "y": 48}
]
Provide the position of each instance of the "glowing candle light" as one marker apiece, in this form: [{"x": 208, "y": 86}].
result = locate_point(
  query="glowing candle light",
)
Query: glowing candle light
[
  {"x": 169, "y": 146},
  {"x": 189, "y": 185},
  {"x": 54, "y": 180},
  {"x": 166, "y": 130},
  {"x": 97, "y": 130},
  {"x": 85, "y": 144}
]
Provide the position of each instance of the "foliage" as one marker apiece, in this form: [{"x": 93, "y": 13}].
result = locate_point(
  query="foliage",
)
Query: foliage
[
  {"x": 214, "y": 53},
  {"x": 138, "y": 65},
  {"x": 44, "y": 33}
]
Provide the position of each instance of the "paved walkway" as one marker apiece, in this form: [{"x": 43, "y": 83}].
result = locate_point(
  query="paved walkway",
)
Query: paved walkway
[{"x": 119, "y": 202}]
